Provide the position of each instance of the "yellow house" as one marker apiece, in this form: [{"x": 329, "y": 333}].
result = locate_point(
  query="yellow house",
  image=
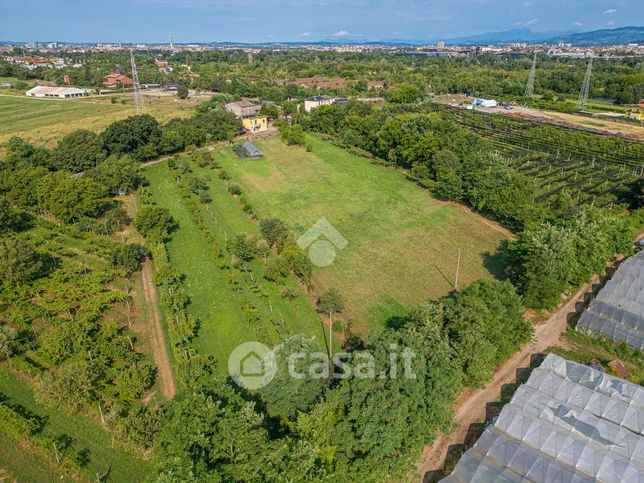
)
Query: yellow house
[
  {"x": 255, "y": 124},
  {"x": 636, "y": 111}
]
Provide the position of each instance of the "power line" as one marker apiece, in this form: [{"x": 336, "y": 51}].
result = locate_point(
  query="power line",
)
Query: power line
[
  {"x": 529, "y": 88},
  {"x": 138, "y": 96},
  {"x": 585, "y": 88}
]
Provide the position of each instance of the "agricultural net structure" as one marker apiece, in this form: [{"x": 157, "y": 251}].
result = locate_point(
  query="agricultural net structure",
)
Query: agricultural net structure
[
  {"x": 567, "y": 423},
  {"x": 618, "y": 310},
  {"x": 593, "y": 168}
]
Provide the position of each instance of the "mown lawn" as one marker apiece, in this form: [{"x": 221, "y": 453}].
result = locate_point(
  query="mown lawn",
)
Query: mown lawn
[
  {"x": 220, "y": 298},
  {"x": 85, "y": 434},
  {"x": 403, "y": 244}
]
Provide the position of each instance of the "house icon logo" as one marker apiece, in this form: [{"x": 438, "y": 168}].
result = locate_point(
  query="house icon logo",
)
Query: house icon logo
[{"x": 252, "y": 365}]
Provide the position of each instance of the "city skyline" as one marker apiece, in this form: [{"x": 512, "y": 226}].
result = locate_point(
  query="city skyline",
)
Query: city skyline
[{"x": 152, "y": 21}]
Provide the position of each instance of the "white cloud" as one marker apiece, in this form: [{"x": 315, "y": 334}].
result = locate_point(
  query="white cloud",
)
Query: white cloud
[
  {"x": 306, "y": 34},
  {"x": 578, "y": 24},
  {"x": 340, "y": 33},
  {"x": 610, "y": 23},
  {"x": 609, "y": 11},
  {"x": 532, "y": 22}
]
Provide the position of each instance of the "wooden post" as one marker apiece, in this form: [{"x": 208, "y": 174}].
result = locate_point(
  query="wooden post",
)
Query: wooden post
[
  {"x": 458, "y": 268},
  {"x": 100, "y": 409}
]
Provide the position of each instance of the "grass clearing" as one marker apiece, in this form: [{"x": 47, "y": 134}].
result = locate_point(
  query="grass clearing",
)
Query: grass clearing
[
  {"x": 45, "y": 121},
  {"x": 229, "y": 311},
  {"x": 403, "y": 244}
]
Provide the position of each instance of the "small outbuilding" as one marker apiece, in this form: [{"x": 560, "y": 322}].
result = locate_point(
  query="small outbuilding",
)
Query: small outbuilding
[{"x": 248, "y": 150}]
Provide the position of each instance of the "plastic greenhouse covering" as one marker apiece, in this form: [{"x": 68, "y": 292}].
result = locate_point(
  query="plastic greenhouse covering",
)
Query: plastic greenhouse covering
[
  {"x": 618, "y": 310},
  {"x": 567, "y": 423}
]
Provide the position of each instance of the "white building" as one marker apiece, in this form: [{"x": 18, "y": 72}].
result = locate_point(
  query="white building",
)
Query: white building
[
  {"x": 314, "y": 102},
  {"x": 60, "y": 92}
]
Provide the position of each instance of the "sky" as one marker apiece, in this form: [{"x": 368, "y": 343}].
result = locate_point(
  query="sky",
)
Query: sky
[{"x": 145, "y": 21}]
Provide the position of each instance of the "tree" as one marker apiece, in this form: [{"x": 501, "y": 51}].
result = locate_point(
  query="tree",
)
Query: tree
[
  {"x": 269, "y": 110},
  {"x": 70, "y": 386},
  {"x": 78, "y": 151},
  {"x": 293, "y": 135},
  {"x": 211, "y": 433},
  {"x": 447, "y": 167},
  {"x": 71, "y": 199},
  {"x": 19, "y": 262},
  {"x": 154, "y": 222},
  {"x": 182, "y": 92},
  {"x": 18, "y": 151},
  {"x": 404, "y": 93},
  {"x": 331, "y": 302},
  {"x": 138, "y": 136},
  {"x": 8, "y": 337},
  {"x": 118, "y": 174},
  {"x": 286, "y": 395},
  {"x": 485, "y": 325},
  {"x": 9, "y": 219},
  {"x": 274, "y": 230},
  {"x": 542, "y": 262},
  {"x": 128, "y": 257}
]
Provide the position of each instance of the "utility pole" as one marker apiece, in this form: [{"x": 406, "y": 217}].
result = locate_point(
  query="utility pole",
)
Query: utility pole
[
  {"x": 529, "y": 88},
  {"x": 585, "y": 88},
  {"x": 138, "y": 96},
  {"x": 458, "y": 269}
]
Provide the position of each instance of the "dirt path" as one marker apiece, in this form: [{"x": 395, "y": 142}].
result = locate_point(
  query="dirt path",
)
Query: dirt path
[
  {"x": 157, "y": 337},
  {"x": 471, "y": 406}
]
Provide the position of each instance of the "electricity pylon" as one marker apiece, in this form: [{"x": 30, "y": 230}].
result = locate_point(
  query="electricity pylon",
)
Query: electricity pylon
[
  {"x": 585, "y": 88},
  {"x": 529, "y": 88},
  {"x": 138, "y": 96}
]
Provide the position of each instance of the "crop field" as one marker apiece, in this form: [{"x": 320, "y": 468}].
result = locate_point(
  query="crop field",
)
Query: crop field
[
  {"x": 80, "y": 255},
  {"x": 45, "y": 121},
  {"x": 403, "y": 245},
  {"x": 78, "y": 432},
  {"x": 593, "y": 168},
  {"x": 231, "y": 306}
]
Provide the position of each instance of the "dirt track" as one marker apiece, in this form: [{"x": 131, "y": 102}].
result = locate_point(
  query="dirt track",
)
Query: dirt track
[
  {"x": 470, "y": 407},
  {"x": 165, "y": 377}
]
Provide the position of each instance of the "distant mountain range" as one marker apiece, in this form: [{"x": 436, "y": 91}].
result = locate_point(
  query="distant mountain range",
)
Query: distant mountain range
[{"x": 622, "y": 35}]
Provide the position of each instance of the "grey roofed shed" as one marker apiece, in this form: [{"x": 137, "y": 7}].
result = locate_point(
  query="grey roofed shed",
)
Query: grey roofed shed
[
  {"x": 567, "y": 423},
  {"x": 248, "y": 150}
]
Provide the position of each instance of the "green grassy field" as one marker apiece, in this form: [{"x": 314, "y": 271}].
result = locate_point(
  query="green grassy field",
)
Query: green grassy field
[
  {"x": 85, "y": 434},
  {"x": 45, "y": 121},
  {"x": 402, "y": 244},
  {"x": 221, "y": 299}
]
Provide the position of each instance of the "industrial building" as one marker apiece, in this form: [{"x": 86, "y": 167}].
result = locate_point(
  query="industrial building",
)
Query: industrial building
[
  {"x": 60, "y": 92},
  {"x": 618, "y": 310},
  {"x": 567, "y": 423}
]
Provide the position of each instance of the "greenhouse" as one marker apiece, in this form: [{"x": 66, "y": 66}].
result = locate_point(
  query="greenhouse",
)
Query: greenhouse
[
  {"x": 567, "y": 423},
  {"x": 618, "y": 310}
]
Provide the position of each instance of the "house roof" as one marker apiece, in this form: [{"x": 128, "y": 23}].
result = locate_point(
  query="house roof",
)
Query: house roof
[
  {"x": 242, "y": 104},
  {"x": 319, "y": 98}
]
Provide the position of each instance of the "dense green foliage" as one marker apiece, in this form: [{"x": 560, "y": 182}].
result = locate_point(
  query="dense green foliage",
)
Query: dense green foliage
[{"x": 78, "y": 151}]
